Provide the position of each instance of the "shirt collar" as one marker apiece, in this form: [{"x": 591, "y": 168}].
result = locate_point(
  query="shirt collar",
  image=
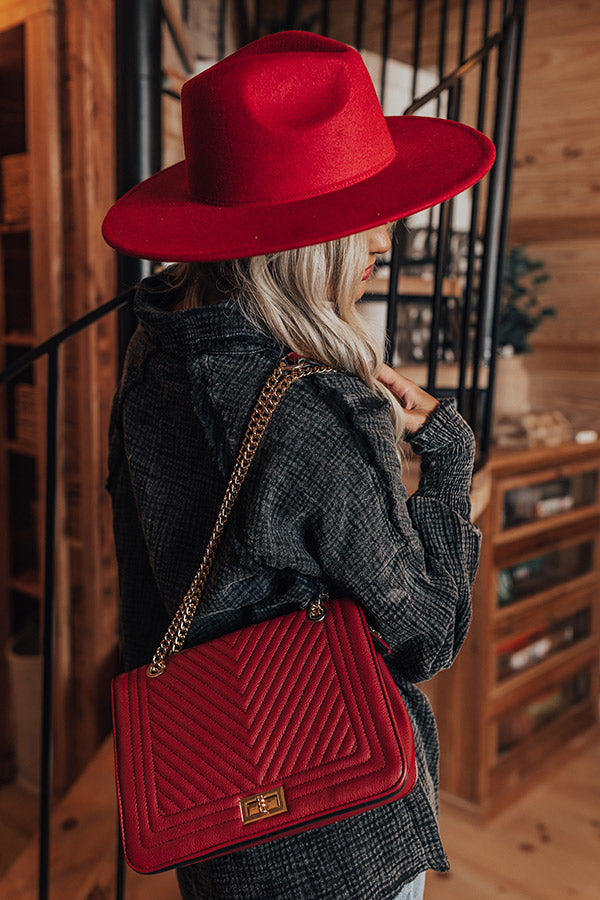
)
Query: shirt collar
[{"x": 219, "y": 327}]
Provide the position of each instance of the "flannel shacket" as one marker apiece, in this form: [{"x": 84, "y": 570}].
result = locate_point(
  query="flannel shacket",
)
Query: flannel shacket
[{"x": 322, "y": 504}]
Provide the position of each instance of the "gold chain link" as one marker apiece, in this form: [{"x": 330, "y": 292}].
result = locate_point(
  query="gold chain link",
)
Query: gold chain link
[{"x": 283, "y": 376}]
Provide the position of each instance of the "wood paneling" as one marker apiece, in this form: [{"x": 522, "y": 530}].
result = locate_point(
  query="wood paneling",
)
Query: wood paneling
[
  {"x": 558, "y": 141},
  {"x": 39, "y": 112},
  {"x": 551, "y": 228},
  {"x": 68, "y": 108},
  {"x": 572, "y": 289},
  {"x": 573, "y": 389},
  {"x": 12, "y": 12},
  {"x": 556, "y": 200},
  {"x": 565, "y": 364},
  {"x": 89, "y": 186},
  {"x": 175, "y": 75}
]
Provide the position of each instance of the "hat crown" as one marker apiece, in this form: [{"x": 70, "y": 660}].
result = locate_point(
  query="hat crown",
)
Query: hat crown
[{"x": 290, "y": 117}]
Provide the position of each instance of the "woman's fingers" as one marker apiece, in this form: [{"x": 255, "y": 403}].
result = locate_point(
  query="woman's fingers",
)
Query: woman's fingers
[
  {"x": 417, "y": 403},
  {"x": 410, "y": 395}
]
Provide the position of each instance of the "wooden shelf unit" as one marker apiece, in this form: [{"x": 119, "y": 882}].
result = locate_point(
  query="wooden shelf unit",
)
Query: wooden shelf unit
[
  {"x": 524, "y": 690},
  {"x": 57, "y": 169},
  {"x": 30, "y": 285}
]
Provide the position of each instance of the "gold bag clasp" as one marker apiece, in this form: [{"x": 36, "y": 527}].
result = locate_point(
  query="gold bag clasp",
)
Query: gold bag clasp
[{"x": 260, "y": 806}]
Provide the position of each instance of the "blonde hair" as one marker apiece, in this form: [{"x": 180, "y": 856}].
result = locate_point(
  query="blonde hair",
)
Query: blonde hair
[{"x": 304, "y": 298}]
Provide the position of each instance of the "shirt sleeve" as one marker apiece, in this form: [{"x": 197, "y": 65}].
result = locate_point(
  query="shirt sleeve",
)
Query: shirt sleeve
[
  {"x": 143, "y": 618},
  {"x": 334, "y": 497}
]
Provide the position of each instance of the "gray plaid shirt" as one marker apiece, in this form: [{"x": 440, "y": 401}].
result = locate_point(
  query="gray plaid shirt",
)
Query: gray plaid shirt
[{"x": 323, "y": 503}]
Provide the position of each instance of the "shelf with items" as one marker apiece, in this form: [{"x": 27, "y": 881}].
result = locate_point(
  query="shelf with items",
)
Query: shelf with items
[
  {"x": 524, "y": 689},
  {"x": 549, "y": 634},
  {"x": 528, "y": 578},
  {"x": 16, "y": 251},
  {"x": 57, "y": 106},
  {"x": 14, "y": 189},
  {"x": 30, "y": 301},
  {"x": 564, "y": 494},
  {"x": 25, "y": 340},
  {"x": 13, "y": 227},
  {"x": 517, "y": 719},
  {"x": 13, "y": 238},
  {"x": 27, "y": 582},
  {"x": 532, "y": 731}
]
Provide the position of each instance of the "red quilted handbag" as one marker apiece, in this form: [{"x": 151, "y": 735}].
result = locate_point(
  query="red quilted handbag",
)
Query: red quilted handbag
[{"x": 277, "y": 728}]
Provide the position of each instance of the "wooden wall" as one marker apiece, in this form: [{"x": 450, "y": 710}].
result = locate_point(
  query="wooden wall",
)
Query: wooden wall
[
  {"x": 69, "y": 116},
  {"x": 556, "y": 200},
  {"x": 88, "y": 118}
]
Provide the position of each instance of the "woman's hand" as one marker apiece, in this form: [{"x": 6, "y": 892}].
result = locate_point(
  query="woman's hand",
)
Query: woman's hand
[{"x": 417, "y": 403}]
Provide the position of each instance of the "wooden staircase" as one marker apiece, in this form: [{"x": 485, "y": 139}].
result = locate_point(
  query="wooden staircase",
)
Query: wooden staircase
[{"x": 83, "y": 847}]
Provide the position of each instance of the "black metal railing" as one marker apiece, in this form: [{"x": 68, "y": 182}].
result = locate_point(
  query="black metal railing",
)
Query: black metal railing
[
  {"x": 484, "y": 274},
  {"x": 495, "y": 66},
  {"x": 482, "y": 255},
  {"x": 50, "y": 349}
]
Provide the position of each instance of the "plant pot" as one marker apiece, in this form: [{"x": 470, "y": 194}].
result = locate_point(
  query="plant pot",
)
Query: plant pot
[
  {"x": 25, "y": 678},
  {"x": 512, "y": 390}
]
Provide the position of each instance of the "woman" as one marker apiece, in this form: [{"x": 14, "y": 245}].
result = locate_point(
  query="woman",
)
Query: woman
[{"x": 291, "y": 179}]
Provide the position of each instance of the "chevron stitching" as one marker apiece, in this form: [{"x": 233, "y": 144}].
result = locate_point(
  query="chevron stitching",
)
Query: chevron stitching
[{"x": 281, "y": 734}]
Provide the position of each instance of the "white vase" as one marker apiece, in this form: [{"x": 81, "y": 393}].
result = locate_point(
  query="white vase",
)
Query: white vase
[
  {"x": 25, "y": 674},
  {"x": 512, "y": 390}
]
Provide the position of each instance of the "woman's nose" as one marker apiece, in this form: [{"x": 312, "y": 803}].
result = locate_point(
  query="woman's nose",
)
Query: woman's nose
[{"x": 379, "y": 239}]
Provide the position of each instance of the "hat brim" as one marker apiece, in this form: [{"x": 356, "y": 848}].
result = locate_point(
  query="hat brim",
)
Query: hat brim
[{"x": 435, "y": 160}]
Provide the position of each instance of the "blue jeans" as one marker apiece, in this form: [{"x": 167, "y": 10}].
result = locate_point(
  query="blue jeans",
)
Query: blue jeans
[{"x": 413, "y": 890}]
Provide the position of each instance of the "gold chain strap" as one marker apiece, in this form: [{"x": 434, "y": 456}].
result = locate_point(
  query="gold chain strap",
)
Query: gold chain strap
[{"x": 283, "y": 376}]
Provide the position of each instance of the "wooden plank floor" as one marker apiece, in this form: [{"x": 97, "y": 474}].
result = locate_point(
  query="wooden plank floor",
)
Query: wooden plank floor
[
  {"x": 18, "y": 820},
  {"x": 82, "y": 844},
  {"x": 546, "y": 847}
]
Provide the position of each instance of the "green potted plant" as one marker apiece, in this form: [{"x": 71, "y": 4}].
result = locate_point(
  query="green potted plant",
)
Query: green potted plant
[{"x": 521, "y": 313}]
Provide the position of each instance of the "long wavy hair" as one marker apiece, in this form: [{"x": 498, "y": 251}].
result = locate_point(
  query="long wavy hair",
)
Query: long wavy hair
[{"x": 304, "y": 298}]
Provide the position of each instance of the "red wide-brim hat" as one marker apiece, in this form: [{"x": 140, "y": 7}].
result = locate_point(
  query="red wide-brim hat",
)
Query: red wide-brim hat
[{"x": 286, "y": 145}]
